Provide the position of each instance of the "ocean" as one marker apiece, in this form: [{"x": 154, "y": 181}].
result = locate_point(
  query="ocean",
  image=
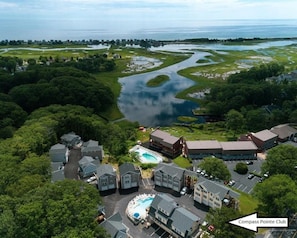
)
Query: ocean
[{"x": 224, "y": 29}]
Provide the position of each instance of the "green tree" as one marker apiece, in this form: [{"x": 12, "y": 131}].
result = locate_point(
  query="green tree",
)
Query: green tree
[
  {"x": 7, "y": 224},
  {"x": 277, "y": 195},
  {"x": 219, "y": 218},
  {"x": 281, "y": 160},
  {"x": 241, "y": 168},
  {"x": 234, "y": 121},
  {"x": 215, "y": 167}
]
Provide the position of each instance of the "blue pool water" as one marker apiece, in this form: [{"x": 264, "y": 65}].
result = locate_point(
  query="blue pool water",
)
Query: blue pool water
[
  {"x": 146, "y": 156},
  {"x": 139, "y": 210},
  {"x": 150, "y": 157}
]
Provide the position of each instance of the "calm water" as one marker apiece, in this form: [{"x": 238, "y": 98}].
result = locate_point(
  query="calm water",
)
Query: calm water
[
  {"x": 223, "y": 29},
  {"x": 157, "y": 106}
]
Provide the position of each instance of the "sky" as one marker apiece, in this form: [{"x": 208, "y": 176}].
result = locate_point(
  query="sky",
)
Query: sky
[{"x": 123, "y": 15}]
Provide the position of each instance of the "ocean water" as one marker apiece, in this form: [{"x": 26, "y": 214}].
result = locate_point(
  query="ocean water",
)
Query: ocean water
[{"x": 224, "y": 29}]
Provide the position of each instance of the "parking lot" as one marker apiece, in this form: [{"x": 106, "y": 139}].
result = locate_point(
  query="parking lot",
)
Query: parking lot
[{"x": 242, "y": 182}]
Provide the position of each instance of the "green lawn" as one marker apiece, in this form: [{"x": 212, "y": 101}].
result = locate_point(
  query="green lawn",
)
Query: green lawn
[
  {"x": 247, "y": 203},
  {"x": 182, "y": 162}
]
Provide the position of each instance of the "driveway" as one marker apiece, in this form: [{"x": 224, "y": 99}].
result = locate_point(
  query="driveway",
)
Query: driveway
[{"x": 70, "y": 169}]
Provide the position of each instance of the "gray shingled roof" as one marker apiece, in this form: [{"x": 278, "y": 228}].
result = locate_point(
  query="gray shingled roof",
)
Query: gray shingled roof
[
  {"x": 203, "y": 144},
  {"x": 265, "y": 135},
  {"x": 166, "y": 137},
  {"x": 283, "y": 131},
  {"x": 85, "y": 160},
  {"x": 57, "y": 148},
  {"x": 105, "y": 169},
  {"x": 126, "y": 168},
  {"x": 90, "y": 143},
  {"x": 170, "y": 169},
  {"x": 114, "y": 226},
  {"x": 183, "y": 219},
  {"x": 216, "y": 188},
  {"x": 167, "y": 204},
  {"x": 238, "y": 145},
  {"x": 57, "y": 171},
  {"x": 69, "y": 137}
]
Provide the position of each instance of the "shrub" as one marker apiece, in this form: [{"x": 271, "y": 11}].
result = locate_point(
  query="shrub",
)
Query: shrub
[{"x": 241, "y": 168}]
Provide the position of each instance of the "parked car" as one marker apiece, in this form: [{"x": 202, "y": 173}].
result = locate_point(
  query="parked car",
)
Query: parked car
[
  {"x": 198, "y": 170},
  {"x": 231, "y": 183},
  {"x": 91, "y": 179},
  {"x": 183, "y": 191},
  {"x": 211, "y": 228},
  {"x": 249, "y": 162},
  {"x": 250, "y": 176},
  {"x": 266, "y": 175}
]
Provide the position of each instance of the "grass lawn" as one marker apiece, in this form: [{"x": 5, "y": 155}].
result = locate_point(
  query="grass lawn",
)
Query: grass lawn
[
  {"x": 182, "y": 162},
  {"x": 247, "y": 203},
  {"x": 211, "y": 131}
]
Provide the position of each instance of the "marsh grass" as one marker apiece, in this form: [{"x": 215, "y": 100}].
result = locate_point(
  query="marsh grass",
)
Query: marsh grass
[{"x": 157, "y": 81}]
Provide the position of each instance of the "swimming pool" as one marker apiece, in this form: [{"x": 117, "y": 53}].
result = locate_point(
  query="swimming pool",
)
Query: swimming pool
[
  {"x": 146, "y": 156},
  {"x": 137, "y": 208}
]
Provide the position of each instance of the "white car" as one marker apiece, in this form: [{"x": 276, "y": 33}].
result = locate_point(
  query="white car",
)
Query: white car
[
  {"x": 231, "y": 183},
  {"x": 198, "y": 170},
  {"x": 183, "y": 191},
  {"x": 91, "y": 179}
]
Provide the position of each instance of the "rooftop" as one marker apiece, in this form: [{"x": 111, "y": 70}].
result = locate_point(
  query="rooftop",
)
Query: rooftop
[{"x": 265, "y": 135}]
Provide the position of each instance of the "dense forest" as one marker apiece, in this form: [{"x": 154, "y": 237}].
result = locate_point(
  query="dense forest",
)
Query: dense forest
[
  {"x": 262, "y": 103},
  {"x": 38, "y": 105}
]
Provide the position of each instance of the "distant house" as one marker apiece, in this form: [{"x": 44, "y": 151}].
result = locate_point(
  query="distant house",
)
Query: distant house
[
  {"x": 284, "y": 132},
  {"x": 87, "y": 166},
  {"x": 169, "y": 176},
  {"x": 176, "y": 220},
  {"x": 238, "y": 150},
  {"x": 201, "y": 149},
  {"x": 114, "y": 227},
  {"x": 93, "y": 149},
  {"x": 214, "y": 195},
  {"x": 107, "y": 178},
  {"x": 70, "y": 140},
  {"x": 57, "y": 171},
  {"x": 165, "y": 143},
  {"x": 129, "y": 176},
  {"x": 264, "y": 139},
  {"x": 59, "y": 153}
]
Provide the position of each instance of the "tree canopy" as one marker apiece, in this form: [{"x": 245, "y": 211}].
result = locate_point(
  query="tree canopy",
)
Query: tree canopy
[
  {"x": 220, "y": 218},
  {"x": 281, "y": 160},
  {"x": 256, "y": 98},
  {"x": 216, "y": 168},
  {"x": 51, "y": 211},
  {"x": 277, "y": 196}
]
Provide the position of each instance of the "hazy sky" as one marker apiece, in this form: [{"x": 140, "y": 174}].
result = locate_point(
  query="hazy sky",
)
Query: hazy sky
[
  {"x": 127, "y": 15},
  {"x": 144, "y": 13}
]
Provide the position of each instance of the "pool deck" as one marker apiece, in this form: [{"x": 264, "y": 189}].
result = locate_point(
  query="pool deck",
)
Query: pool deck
[
  {"x": 133, "y": 204},
  {"x": 158, "y": 156}
]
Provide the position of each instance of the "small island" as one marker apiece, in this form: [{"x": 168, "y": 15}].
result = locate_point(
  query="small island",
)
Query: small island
[{"x": 157, "y": 81}]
